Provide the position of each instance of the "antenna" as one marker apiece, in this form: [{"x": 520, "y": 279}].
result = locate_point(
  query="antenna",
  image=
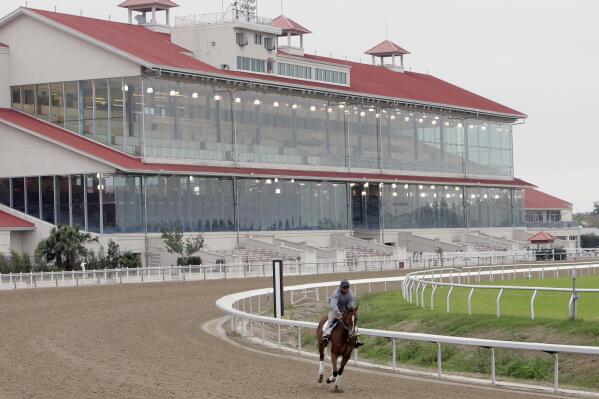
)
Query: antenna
[{"x": 246, "y": 8}]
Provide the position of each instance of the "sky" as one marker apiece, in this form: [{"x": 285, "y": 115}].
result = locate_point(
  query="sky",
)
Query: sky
[{"x": 540, "y": 57}]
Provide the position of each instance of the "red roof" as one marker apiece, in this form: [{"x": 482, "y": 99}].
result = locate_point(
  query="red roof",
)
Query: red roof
[
  {"x": 10, "y": 222},
  {"x": 128, "y": 163},
  {"x": 387, "y": 48},
  {"x": 288, "y": 25},
  {"x": 137, "y": 3},
  {"x": 157, "y": 49},
  {"x": 152, "y": 47},
  {"x": 535, "y": 199},
  {"x": 541, "y": 238}
]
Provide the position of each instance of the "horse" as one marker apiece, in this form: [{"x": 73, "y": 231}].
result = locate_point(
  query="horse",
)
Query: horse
[{"x": 342, "y": 340}]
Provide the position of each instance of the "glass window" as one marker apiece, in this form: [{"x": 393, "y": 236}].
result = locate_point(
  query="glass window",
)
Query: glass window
[
  {"x": 363, "y": 138},
  {"x": 101, "y": 121},
  {"x": 108, "y": 192},
  {"x": 33, "y": 196},
  {"x": 251, "y": 64},
  {"x": 116, "y": 113},
  {"x": 399, "y": 140},
  {"x": 326, "y": 75},
  {"x": 57, "y": 104},
  {"x": 266, "y": 205},
  {"x": 294, "y": 71},
  {"x": 5, "y": 191},
  {"x": 62, "y": 200},
  {"x": 42, "y": 101},
  {"x": 15, "y": 95},
  {"x": 92, "y": 185},
  {"x": 28, "y": 93},
  {"x": 134, "y": 115},
  {"x": 18, "y": 194},
  {"x": 191, "y": 202},
  {"x": 73, "y": 110},
  {"x": 189, "y": 121},
  {"x": 129, "y": 204},
  {"x": 78, "y": 200},
  {"x": 86, "y": 90},
  {"x": 48, "y": 199}
]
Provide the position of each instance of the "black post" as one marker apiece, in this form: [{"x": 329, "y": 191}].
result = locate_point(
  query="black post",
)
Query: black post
[{"x": 277, "y": 285}]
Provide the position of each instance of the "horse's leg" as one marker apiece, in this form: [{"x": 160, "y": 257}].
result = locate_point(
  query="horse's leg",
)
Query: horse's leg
[
  {"x": 334, "y": 356},
  {"x": 321, "y": 367},
  {"x": 344, "y": 360}
]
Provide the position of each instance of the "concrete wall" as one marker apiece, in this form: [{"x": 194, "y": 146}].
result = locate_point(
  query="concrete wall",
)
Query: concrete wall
[
  {"x": 40, "y": 53},
  {"x": 216, "y": 44},
  {"x": 22, "y": 154},
  {"x": 26, "y": 241},
  {"x": 4, "y": 242},
  {"x": 4, "y": 72}
]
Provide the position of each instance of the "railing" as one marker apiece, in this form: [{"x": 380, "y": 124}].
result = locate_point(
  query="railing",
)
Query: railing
[
  {"x": 220, "y": 18},
  {"x": 242, "y": 321},
  {"x": 415, "y": 284}
]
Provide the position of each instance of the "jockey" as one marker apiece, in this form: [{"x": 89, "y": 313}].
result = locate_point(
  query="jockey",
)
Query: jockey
[{"x": 342, "y": 299}]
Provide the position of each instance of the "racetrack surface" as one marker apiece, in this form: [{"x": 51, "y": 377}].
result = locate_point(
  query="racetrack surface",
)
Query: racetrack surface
[{"x": 146, "y": 341}]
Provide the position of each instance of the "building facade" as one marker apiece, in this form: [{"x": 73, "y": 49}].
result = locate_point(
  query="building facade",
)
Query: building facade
[{"x": 125, "y": 129}]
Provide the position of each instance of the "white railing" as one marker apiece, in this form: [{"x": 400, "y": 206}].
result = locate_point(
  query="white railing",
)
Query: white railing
[
  {"x": 243, "y": 321},
  {"x": 258, "y": 269},
  {"x": 416, "y": 283}
]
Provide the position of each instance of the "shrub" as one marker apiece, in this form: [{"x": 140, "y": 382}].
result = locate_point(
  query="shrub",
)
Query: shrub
[
  {"x": 589, "y": 241},
  {"x": 189, "y": 261},
  {"x": 129, "y": 260}
]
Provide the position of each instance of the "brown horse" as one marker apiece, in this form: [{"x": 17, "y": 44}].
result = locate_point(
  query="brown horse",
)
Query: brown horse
[{"x": 342, "y": 340}]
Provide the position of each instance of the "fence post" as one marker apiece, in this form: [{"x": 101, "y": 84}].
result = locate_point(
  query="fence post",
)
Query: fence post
[
  {"x": 556, "y": 374},
  {"x": 470, "y": 301},
  {"x": 493, "y": 366},
  {"x": 433, "y": 297},
  {"x": 394, "y": 351},
  {"x": 299, "y": 340},
  {"x": 439, "y": 358},
  {"x": 448, "y": 297},
  {"x": 279, "y": 335},
  {"x": 532, "y": 305},
  {"x": 498, "y": 302}
]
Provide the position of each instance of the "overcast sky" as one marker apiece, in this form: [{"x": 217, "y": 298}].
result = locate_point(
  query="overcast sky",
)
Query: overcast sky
[{"x": 540, "y": 57}]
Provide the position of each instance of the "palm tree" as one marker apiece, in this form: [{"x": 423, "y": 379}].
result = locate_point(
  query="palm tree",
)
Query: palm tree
[{"x": 65, "y": 246}]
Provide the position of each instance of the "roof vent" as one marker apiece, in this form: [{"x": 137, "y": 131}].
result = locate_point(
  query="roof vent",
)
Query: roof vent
[
  {"x": 145, "y": 6},
  {"x": 387, "y": 49}
]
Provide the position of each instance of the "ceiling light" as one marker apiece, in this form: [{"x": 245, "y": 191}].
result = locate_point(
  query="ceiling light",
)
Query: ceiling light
[
  {"x": 329, "y": 110},
  {"x": 371, "y": 109},
  {"x": 393, "y": 185},
  {"x": 276, "y": 179},
  {"x": 392, "y": 117},
  {"x": 268, "y": 181},
  {"x": 277, "y": 191},
  {"x": 312, "y": 108},
  {"x": 362, "y": 113},
  {"x": 216, "y": 97},
  {"x": 237, "y": 100},
  {"x": 195, "y": 95},
  {"x": 341, "y": 106},
  {"x": 434, "y": 122},
  {"x": 366, "y": 185},
  {"x": 256, "y": 102},
  {"x": 460, "y": 125},
  {"x": 126, "y": 88},
  {"x": 405, "y": 186},
  {"x": 394, "y": 194},
  {"x": 294, "y": 106},
  {"x": 275, "y": 104},
  {"x": 149, "y": 90},
  {"x": 173, "y": 93},
  {"x": 363, "y": 193},
  {"x": 407, "y": 119}
]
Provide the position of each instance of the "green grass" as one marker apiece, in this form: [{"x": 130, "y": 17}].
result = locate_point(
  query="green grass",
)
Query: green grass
[
  {"x": 552, "y": 305},
  {"x": 391, "y": 312}
]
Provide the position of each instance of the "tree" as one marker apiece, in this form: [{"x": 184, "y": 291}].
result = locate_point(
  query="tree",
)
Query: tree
[
  {"x": 596, "y": 208},
  {"x": 65, "y": 246},
  {"x": 114, "y": 253},
  {"x": 175, "y": 244}
]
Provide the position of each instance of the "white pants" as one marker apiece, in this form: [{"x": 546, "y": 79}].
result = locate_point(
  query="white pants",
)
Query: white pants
[{"x": 327, "y": 327}]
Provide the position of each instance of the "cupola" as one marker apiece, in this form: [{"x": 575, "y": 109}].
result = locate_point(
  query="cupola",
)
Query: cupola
[
  {"x": 388, "y": 49},
  {"x": 291, "y": 28},
  {"x": 146, "y": 6}
]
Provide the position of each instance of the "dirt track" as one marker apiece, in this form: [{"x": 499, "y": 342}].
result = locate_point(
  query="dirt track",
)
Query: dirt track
[{"x": 145, "y": 341}]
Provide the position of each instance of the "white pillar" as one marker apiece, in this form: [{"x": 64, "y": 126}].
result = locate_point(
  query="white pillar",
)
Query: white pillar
[
  {"x": 153, "y": 14},
  {"x": 302, "y": 42},
  {"x": 130, "y": 16},
  {"x": 373, "y": 60},
  {"x": 4, "y": 87},
  {"x": 393, "y": 59},
  {"x": 168, "y": 17},
  {"x": 401, "y": 58},
  {"x": 288, "y": 39}
]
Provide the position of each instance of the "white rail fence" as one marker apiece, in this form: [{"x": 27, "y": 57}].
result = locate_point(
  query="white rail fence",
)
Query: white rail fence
[
  {"x": 241, "y": 307},
  {"x": 210, "y": 272},
  {"x": 416, "y": 283}
]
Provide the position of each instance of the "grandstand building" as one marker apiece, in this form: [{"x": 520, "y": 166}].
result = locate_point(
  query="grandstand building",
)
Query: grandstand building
[{"x": 224, "y": 124}]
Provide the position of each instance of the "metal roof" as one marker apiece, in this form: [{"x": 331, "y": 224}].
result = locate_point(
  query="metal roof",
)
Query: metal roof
[{"x": 387, "y": 48}]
